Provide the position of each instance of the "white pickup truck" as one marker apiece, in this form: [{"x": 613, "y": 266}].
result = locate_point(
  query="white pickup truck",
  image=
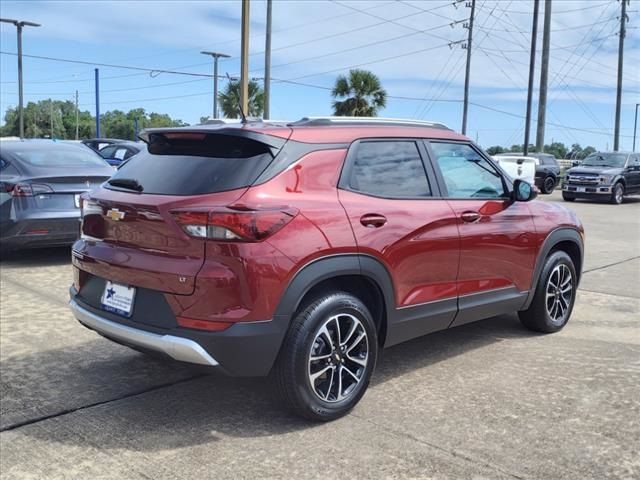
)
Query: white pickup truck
[{"x": 518, "y": 167}]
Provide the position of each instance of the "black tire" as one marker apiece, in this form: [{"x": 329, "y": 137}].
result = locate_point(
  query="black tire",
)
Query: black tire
[
  {"x": 617, "y": 194},
  {"x": 567, "y": 198},
  {"x": 548, "y": 184},
  {"x": 294, "y": 368},
  {"x": 539, "y": 317}
]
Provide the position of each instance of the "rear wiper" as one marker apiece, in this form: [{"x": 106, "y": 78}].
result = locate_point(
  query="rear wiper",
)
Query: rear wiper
[{"x": 128, "y": 183}]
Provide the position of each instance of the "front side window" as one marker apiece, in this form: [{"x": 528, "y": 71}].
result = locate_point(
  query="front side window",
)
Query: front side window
[
  {"x": 391, "y": 169},
  {"x": 466, "y": 174}
]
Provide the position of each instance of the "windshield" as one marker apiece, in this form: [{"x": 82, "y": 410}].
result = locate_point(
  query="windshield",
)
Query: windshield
[{"x": 605, "y": 160}]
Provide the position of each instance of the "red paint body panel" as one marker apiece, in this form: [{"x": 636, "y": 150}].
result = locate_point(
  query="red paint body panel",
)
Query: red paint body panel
[
  {"x": 498, "y": 250},
  {"x": 146, "y": 248},
  {"x": 418, "y": 244}
]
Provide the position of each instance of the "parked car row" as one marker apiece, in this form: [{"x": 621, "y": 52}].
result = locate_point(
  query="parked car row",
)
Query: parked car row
[
  {"x": 40, "y": 186},
  {"x": 603, "y": 176},
  {"x": 41, "y": 182},
  {"x": 547, "y": 170}
]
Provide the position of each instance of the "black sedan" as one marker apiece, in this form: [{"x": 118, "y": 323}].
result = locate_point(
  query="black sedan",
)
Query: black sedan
[{"x": 40, "y": 187}]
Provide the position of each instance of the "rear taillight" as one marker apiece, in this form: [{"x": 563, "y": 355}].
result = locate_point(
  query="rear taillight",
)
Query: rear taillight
[
  {"x": 30, "y": 189},
  {"x": 231, "y": 225},
  {"x": 88, "y": 207}
]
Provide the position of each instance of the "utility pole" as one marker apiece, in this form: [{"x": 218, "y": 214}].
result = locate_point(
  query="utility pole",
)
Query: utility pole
[
  {"x": 215, "y": 56},
  {"x": 623, "y": 32},
  {"x": 51, "y": 117},
  {"x": 465, "y": 107},
  {"x": 267, "y": 63},
  {"x": 635, "y": 127},
  {"x": 19, "y": 25},
  {"x": 532, "y": 68},
  {"x": 77, "y": 116},
  {"x": 244, "y": 59},
  {"x": 97, "y": 103},
  {"x": 544, "y": 76}
]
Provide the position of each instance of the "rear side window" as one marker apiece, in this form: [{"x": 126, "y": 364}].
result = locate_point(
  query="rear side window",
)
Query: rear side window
[
  {"x": 389, "y": 169},
  {"x": 196, "y": 164}
]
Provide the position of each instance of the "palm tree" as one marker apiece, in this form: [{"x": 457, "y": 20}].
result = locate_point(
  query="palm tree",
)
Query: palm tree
[
  {"x": 361, "y": 94},
  {"x": 230, "y": 100}
]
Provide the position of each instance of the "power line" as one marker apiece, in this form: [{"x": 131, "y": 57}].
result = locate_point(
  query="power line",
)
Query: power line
[
  {"x": 562, "y": 11},
  {"x": 111, "y": 65},
  {"x": 511, "y": 114},
  {"x": 379, "y": 60},
  {"x": 378, "y": 42},
  {"x": 567, "y": 47}
]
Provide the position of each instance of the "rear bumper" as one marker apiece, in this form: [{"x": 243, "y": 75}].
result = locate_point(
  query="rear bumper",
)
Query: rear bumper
[
  {"x": 244, "y": 349},
  {"x": 178, "y": 348},
  {"x": 40, "y": 232}
]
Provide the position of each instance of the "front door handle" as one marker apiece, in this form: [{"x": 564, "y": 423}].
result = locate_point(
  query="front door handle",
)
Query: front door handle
[
  {"x": 470, "y": 217},
  {"x": 373, "y": 220}
]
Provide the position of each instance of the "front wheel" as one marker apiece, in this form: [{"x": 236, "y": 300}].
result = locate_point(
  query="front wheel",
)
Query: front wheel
[
  {"x": 617, "y": 194},
  {"x": 548, "y": 184},
  {"x": 327, "y": 359},
  {"x": 554, "y": 296},
  {"x": 567, "y": 198}
]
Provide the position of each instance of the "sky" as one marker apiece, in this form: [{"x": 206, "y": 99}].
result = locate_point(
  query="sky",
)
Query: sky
[{"x": 410, "y": 45}]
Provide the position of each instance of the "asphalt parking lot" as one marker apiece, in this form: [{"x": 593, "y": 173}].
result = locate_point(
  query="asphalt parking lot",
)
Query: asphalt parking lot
[{"x": 486, "y": 400}]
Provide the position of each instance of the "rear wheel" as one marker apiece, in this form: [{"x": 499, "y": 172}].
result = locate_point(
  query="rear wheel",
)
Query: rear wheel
[
  {"x": 328, "y": 357},
  {"x": 617, "y": 194},
  {"x": 554, "y": 296},
  {"x": 567, "y": 198},
  {"x": 548, "y": 184}
]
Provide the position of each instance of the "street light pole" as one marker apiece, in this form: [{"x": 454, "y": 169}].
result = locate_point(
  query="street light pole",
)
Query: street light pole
[
  {"x": 19, "y": 25},
  {"x": 244, "y": 60},
  {"x": 215, "y": 56}
]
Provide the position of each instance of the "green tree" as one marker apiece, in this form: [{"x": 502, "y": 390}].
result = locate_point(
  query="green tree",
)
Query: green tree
[
  {"x": 495, "y": 150},
  {"x": 358, "y": 95},
  {"x": 586, "y": 151},
  {"x": 229, "y": 100},
  {"x": 558, "y": 149},
  {"x": 60, "y": 116}
]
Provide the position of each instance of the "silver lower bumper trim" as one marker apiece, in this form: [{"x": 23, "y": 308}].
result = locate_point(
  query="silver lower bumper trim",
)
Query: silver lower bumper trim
[{"x": 179, "y": 348}]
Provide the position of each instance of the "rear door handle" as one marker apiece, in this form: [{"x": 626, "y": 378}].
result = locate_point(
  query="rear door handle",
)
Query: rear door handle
[
  {"x": 373, "y": 220},
  {"x": 470, "y": 217}
]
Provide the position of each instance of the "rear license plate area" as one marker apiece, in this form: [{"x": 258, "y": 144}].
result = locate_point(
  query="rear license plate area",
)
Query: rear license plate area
[{"x": 118, "y": 298}]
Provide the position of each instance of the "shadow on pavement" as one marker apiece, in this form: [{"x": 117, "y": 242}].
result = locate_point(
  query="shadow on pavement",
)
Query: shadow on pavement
[
  {"x": 42, "y": 257},
  {"x": 191, "y": 407}
]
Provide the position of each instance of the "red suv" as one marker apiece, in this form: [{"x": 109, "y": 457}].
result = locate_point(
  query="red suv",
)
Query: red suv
[{"x": 300, "y": 250}]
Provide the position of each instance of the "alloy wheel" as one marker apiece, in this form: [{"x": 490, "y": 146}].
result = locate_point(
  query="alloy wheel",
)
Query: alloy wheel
[
  {"x": 559, "y": 292},
  {"x": 618, "y": 194},
  {"x": 338, "y": 357}
]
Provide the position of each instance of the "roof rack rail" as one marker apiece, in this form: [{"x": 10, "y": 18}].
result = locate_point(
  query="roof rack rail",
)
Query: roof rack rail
[{"x": 325, "y": 121}]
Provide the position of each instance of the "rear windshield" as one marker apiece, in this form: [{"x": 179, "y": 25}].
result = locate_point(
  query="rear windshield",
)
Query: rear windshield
[
  {"x": 58, "y": 156},
  {"x": 194, "y": 166}
]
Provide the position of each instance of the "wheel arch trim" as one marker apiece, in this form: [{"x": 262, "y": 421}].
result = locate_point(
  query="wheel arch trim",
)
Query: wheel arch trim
[
  {"x": 334, "y": 266},
  {"x": 563, "y": 234}
]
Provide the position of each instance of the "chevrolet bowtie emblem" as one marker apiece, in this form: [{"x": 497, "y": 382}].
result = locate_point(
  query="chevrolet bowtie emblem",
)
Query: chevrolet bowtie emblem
[{"x": 115, "y": 214}]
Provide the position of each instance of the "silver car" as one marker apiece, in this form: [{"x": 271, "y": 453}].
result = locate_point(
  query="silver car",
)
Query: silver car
[{"x": 40, "y": 186}]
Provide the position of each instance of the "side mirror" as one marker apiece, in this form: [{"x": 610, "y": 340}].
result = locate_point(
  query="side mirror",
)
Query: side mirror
[
  {"x": 523, "y": 191},
  {"x": 575, "y": 163}
]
